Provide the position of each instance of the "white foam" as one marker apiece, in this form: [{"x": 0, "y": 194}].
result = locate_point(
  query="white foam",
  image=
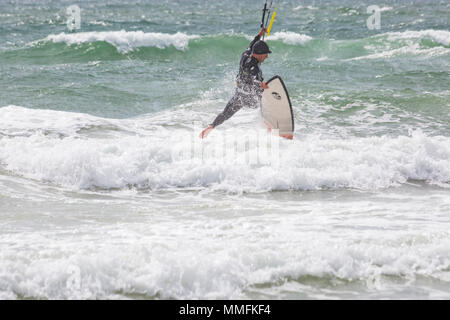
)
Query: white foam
[
  {"x": 411, "y": 49},
  {"x": 126, "y": 41},
  {"x": 407, "y": 43},
  {"x": 305, "y": 7},
  {"x": 115, "y": 260},
  {"x": 18, "y": 121},
  {"x": 111, "y": 246},
  {"x": 384, "y": 9},
  {"x": 152, "y": 161}
]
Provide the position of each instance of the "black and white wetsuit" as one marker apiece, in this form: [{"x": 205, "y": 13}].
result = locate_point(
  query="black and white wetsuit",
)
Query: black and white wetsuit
[{"x": 248, "y": 86}]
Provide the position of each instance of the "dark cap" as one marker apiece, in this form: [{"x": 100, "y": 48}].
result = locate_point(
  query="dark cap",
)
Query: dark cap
[{"x": 261, "y": 47}]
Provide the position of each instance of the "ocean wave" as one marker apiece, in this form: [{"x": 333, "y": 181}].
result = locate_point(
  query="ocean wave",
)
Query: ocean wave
[
  {"x": 384, "y": 9},
  {"x": 392, "y": 44},
  {"x": 287, "y": 37},
  {"x": 118, "y": 44},
  {"x": 126, "y": 41},
  {"x": 147, "y": 260},
  {"x": 164, "y": 159},
  {"x": 413, "y": 49},
  {"x": 305, "y": 7},
  {"x": 290, "y": 38},
  {"x": 20, "y": 121}
]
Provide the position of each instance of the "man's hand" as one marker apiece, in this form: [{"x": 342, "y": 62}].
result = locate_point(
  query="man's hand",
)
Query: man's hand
[
  {"x": 264, "y": 85},
  {"x": 262, "y": 32},
  {"x": 205, "y": 132}
]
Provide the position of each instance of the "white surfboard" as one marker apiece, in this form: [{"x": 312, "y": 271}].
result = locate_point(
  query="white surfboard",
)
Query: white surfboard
[{"x": 276, "y": 108}]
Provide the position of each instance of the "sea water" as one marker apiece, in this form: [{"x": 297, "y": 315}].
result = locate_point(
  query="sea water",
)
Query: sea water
[{"x": 104, "y": 196}]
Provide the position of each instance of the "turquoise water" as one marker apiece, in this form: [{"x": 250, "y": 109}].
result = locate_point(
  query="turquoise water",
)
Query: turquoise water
[{"x": 97, "y": 204}]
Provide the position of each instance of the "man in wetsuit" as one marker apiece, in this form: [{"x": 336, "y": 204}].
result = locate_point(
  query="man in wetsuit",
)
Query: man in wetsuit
[{"x": 250, "y": 83}]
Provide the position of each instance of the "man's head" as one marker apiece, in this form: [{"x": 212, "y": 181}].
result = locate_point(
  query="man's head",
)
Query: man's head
[{"x": 261, "y": 51}]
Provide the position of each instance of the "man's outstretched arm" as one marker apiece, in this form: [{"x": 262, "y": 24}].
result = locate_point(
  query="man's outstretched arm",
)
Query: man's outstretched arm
[{"x": 257, "y": 38}]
